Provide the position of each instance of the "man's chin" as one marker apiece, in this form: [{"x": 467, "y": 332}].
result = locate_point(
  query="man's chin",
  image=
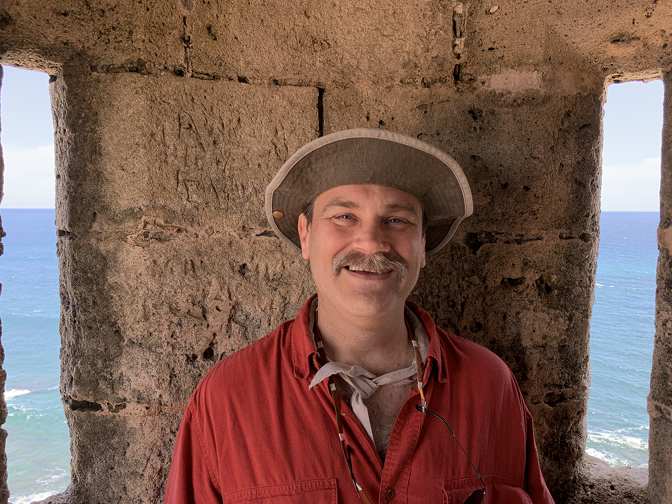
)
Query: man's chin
[{"x": 371, "y": 302}]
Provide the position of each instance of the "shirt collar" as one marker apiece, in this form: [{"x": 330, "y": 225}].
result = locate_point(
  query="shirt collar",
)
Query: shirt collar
[{"x": 304, "y": 356}]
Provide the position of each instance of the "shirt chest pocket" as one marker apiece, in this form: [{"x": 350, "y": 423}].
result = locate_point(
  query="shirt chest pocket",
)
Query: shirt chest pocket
[
  {"x": 499, "y": 491},
  {"x": 298, "y": 492}
]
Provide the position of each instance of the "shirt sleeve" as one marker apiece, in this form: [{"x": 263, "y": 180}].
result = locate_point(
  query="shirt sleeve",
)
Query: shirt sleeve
[{"x": 190, "y": 479}]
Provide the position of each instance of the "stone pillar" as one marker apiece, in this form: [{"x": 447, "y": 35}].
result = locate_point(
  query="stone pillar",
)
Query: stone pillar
[
  {"x": 165, "y": 256},
  {"x": 4, "y": 490},
  {"x": 660, "y": 397}
]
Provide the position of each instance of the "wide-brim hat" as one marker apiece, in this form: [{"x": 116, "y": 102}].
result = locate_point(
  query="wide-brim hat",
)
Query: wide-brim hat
[{"x": 371, "y": 156}]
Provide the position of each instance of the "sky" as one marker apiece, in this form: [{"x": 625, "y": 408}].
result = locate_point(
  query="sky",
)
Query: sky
[{"x": 633, "y": 122}]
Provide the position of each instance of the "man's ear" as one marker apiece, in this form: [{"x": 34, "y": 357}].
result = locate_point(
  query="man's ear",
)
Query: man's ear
[{"x": 304, "y": 235}]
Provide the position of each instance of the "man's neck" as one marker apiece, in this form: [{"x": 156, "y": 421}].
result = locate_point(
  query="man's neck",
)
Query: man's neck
[{"x": 378, "y": 344}]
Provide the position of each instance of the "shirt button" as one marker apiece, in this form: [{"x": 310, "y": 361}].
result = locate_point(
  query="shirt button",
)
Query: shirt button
[{"x": 389, "y": 495}]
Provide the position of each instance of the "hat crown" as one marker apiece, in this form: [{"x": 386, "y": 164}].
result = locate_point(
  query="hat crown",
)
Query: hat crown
[{"x": 371, "y": 156}]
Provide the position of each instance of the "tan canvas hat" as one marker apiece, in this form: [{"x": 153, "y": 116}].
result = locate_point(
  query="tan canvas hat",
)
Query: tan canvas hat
[{"x": 371, "y": 156}]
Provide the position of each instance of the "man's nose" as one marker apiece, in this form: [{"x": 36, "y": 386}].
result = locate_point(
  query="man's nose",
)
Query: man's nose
[{"x": 371, "y": 238}]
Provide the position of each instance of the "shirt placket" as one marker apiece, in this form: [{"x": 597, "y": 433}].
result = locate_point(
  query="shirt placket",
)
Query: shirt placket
[{"x": 396, "y": 474}]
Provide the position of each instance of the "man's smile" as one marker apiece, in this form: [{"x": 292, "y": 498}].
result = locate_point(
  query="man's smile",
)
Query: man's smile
[
  {"x": 372, "y": 271},
  {"x": 380, "y": 265}
]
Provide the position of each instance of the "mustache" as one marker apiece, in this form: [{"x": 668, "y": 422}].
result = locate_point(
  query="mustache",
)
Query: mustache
[{"x": 379, "y": 262}]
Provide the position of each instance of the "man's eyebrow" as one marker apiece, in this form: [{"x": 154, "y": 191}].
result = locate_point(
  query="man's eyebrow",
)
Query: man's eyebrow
[
  {"x": 391, "y": 207},
  {"x": 340, "y": 203},
  {"x": 401, "y": 207}
]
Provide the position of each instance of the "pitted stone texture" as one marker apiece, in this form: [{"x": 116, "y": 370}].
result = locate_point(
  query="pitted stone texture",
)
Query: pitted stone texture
[
  {"x": 601, "y": 484},
  {"x": 518, "y": 276},
  {"x": 145, "y": 317},
  {"x": 189, "y": 151},
  {"x": 660, "y": 397},
  {"x": 341, "y": 42},
  {"x": 513, "y": 148},
  {"x": 134, "y": 464},
  {"x": 140, "y": 36},
  {"x": 315, "y": 42},
  {"x": 623, "y": 40}
]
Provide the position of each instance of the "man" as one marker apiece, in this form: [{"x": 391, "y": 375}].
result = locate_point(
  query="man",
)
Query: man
[{"x": 345, "y": 403}]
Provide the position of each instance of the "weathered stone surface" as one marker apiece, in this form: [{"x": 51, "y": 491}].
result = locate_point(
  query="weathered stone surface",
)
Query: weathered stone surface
[
  {"x": 141, "y": 36},
  {"x": 137, "y": 451},
  {"x": 184, "y": 150},
  {"x": 315, "y": 42},
  {"x": 620, "y": 40},
  {"x": 601, "y": 484},
  {"x": 341, "y": 42},
  {"x": 660, "y": 397},
  {"x": 146, "y": 315}
]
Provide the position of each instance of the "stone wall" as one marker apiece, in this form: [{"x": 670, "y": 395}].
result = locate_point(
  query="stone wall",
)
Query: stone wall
[
  {"x": 660, "y": 398},
  {"x": 171, "y": 117}
]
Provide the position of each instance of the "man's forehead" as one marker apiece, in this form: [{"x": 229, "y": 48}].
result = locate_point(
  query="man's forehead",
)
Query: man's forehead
[{"x": 358, "y": 195}]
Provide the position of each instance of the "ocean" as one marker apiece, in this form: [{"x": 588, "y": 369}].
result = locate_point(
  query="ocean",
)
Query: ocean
[
  {"x": 621, "y": 338},
  {"x": 622, "y": 331},
  {"x": 38, "y": 442}
]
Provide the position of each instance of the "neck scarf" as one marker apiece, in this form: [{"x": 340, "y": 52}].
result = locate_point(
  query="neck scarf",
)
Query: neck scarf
[{"x": 363, "y": 383}]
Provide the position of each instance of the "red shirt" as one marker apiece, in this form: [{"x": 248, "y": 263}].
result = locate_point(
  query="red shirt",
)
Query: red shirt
[{"x": 253, "y": 432}]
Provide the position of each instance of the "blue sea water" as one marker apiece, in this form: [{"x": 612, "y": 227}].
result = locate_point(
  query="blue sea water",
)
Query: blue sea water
[
  {"x": 38, "y": 444},
  {"x": 621, "y": 338}
]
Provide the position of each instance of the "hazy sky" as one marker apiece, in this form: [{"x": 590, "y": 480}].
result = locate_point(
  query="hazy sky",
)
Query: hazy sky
[{"x": 633, "y": 122}]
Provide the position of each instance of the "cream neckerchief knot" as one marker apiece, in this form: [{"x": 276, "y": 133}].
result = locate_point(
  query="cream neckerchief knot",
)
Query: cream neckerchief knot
[{"x": 364, "y": 383}]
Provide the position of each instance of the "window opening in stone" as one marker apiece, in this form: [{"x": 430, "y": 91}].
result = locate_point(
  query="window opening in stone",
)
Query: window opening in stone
[
  {"x": 622, "y": 326},
  {"x": 38, "y": 442}
]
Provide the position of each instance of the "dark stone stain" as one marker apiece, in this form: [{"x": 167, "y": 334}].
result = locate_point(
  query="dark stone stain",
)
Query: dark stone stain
[
  {"x": 84, "y": 406},
  {"x": 554, "y": 398},
  {"x": 5, "y": 20},
  {"x": 512, "y": 282},
  {"x": 542, "y": 286}
]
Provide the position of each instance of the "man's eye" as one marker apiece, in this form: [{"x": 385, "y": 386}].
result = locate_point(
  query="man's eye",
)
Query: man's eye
[
  {"x": 344, "y": 217},
  {"x": 395, "y": 220}
]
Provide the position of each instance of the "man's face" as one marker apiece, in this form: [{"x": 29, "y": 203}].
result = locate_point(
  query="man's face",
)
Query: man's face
[{"x": 366, "y": 247}]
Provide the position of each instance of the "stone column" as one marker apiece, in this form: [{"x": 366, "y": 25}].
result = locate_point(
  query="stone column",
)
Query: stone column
[
  {"x": 660, "y": 397},
  {"x": 165, "y": 256}
]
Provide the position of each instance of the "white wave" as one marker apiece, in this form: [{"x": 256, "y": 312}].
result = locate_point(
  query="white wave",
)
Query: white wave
[
  {"x": 27, "y": 499},
  {"x": 56, "y": 474},
  {"x": 613, "y": 439},
  {"x": 612, "y": 460},
  {"x": 12, "y": 393}
]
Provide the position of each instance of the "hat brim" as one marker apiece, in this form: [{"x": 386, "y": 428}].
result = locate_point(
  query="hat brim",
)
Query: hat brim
[{"x": 371, "y": 156}]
